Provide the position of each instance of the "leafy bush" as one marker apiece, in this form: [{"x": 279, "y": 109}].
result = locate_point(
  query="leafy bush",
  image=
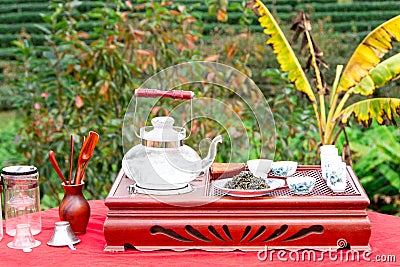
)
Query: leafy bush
[
  {"x": 377, "y": 164},
  {"x": 10, "y": 125},
  {"x": 297, "y": 136},
  {"x": 363, "y": 114},
  {"x": 74, "y": 85},
  {"x": 7, "y": 73}
]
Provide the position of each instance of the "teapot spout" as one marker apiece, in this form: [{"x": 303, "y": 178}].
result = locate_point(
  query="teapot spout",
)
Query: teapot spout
[{"x": 212, "y": 152}]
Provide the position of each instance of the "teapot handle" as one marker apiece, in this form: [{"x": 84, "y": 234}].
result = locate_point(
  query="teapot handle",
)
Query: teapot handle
[{"x": 154, "y": 93}]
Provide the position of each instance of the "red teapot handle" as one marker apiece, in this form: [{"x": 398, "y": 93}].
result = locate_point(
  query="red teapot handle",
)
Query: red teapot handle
[{"x": 154, "y": 93}]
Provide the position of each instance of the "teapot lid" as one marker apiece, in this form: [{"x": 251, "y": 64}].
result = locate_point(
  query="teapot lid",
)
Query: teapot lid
[{"x": 162, "y": 134}]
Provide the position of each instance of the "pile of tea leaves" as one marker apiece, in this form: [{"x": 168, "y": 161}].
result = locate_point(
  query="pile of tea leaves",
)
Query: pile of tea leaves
[{"x": 246, "y": 181}]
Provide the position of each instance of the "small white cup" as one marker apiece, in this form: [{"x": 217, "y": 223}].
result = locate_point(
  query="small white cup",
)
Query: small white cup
[
  {"x": 259, "y": 167},
  {"x": 337, "y": 178},
  {"x": 284, "y": 168},
  {"x": 328, "y": 150},
  {"x": 328, "y": 161}
]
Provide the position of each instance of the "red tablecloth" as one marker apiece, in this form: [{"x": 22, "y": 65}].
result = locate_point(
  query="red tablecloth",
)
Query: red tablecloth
[{"x": 385, "y": 243}]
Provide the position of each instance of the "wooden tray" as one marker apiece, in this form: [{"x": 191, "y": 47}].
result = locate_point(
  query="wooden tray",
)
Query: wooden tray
[{"x": 208, "y": 220}]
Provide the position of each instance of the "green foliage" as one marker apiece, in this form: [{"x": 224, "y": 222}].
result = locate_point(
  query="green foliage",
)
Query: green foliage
[
  {"x": 359, "y": 6},
  {"x": 367, "y": 14},
  {"x": 22, "y": 1},
  {"x": 296, "y": 127},
  {"x": 360, "y": 27},
  {"x": 7, "y": 71},
  {"x": 341, "y": 16},
  {"x": 218, "y": 8},
  {"x": 245, "y": 17},
  {"x": 31, "y": 16},
  {"x": 9, "y": 127},
  {"x": 366, "y": 60},
  {"x": 8, "y": 38},
  {"x": 40, "y": 6},
  {"x": 16, "y": 28},
  {"x": 72, "y": 85},
  {"x": 105, "y": 53},
  {"x": 377, "y": 164}
]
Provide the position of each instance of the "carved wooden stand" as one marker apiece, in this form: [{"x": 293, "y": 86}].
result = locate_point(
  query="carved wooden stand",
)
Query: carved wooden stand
[{"x": 205, "y": 220}]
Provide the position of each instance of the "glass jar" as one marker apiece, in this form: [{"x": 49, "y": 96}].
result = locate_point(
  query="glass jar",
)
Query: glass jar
[{"x": 21, "y": 198}]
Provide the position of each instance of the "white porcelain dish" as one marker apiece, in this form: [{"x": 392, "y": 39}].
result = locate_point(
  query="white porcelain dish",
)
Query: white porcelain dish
[{"x": 272, "y": 183}]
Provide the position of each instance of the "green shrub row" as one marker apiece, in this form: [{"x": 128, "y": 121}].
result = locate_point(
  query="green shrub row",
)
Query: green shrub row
[
  {"x": 23, "y": 7},
  {"x": 357, "y": 16},
  {"x": 16, "y": 28},
  {"x": 11, "y": 18},
  {"x": 12, "y": 23},
  {"x": 192, "y": 2},
  {"x": 9, "y": 2},
  {"x": 279, "y": 8},
  {"x": 208, "y": 28},
  {"x": 362, "y": 6},
  {"x": 32, "y": 28},
  {"x": 234, "y": 17},
  {"x": 215, "y": 27},
  {"x": 357, "y": 26},
  {"x": 6, "y": 39},
  {"x": 89, "y": 5},
  {"x": 7, "y": 53},
  {"x": 297, "y": 2},
  {"x": 363, "y": 1},
  {"x": 283, "y": 11}
]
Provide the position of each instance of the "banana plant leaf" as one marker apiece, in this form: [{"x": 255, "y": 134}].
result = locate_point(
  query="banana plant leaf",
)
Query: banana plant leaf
[
  {"x": 370, "y": 52},
  {"x": 285, "y": 55},
  {"x": 383, "y": 73},
  {"x": 383, "y": 110}
]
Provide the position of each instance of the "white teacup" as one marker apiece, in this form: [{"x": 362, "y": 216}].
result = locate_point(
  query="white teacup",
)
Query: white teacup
[
  {"x": 284, "y": 168},
  {"x": 327, "y": 162},
  {"x": 259, "y": 167},
  {"x": 337, "y": 178},
  {"x": 328, "y": 150}
]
